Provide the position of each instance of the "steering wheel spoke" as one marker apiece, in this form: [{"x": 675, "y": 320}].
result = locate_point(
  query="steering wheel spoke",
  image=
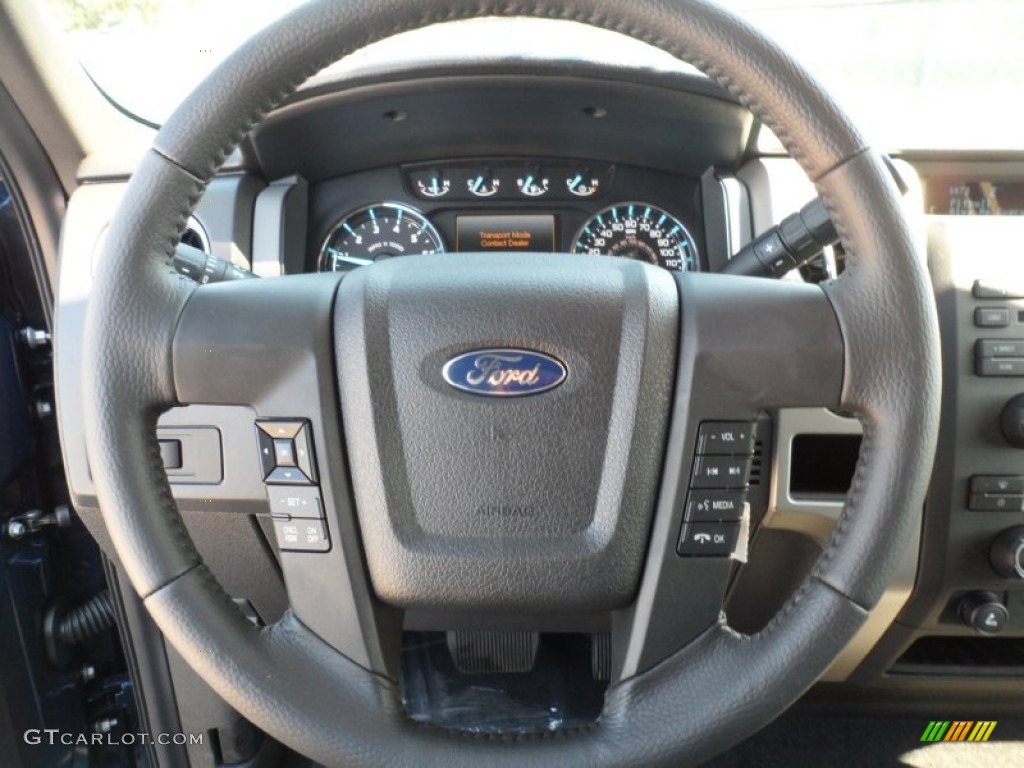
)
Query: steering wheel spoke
[{"x": 266, "y": 345}]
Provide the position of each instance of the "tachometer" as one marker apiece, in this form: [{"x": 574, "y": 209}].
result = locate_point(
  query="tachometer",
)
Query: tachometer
[
  {"x": 375, "y": 232},
  {"x": 638, "y": 231}
]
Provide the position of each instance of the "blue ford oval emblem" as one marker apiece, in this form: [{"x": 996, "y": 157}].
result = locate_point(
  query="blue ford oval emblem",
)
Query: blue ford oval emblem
[{"x": 504, "y": 372}]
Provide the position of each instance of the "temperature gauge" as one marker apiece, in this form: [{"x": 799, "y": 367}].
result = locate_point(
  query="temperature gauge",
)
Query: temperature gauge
[
  {"x": 431, "y": 184},
  {"x": 582, "y": 183},
  {"x": 533, "y": 184},
  {"x": 483, "y": 184}
]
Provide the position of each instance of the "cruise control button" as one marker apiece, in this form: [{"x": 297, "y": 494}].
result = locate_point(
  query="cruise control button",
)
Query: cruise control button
[
  {"x": 302, "y": 535},
  {"x": 725, "y": 438},
  {"x": 711, "y": 506},
  {"x": 300, "y": 501},
  {"x": 726, "y": 472},
  {"x": 994, "y": 366},
  {"x": 997, "y": 348},
  {"x": 997, "y": 484},
  {"x": 709, "y": 539}
]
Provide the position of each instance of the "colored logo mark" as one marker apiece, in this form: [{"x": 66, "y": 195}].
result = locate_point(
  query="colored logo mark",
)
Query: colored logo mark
[{"x": 958, "y": 730}]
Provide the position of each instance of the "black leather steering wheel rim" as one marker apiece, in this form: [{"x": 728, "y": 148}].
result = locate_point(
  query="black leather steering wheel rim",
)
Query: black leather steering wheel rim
[{"x": 715, "y": 691}]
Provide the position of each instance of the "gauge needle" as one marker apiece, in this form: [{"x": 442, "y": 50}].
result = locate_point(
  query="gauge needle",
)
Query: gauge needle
[
  {"x": 528, "y": 184},
  {"x": 574, "y": 182},
  {"x": 477, "y": 183},
  {"x": 358, "y": 261}
]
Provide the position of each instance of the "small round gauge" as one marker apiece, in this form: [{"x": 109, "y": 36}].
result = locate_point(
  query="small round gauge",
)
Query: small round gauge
[
  {"x": 376, "y": 232},
  {"x": 483, "y": 184},
  {"x": 432, "y": 183},
  {"x": 533, "y": 184},
  {"x": 637, "y": 231},
  {"x": 582, "y": 183}
]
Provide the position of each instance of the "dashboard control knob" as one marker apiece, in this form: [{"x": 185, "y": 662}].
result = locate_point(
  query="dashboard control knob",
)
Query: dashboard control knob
[
  {"x": 983, "y": 612},
  {"x": 1011, "y": 422},
  {"x": 1007, "y": 553}
]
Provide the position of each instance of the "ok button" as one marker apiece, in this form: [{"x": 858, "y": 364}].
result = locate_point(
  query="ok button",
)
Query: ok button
[{"x": 284, "y": 452}]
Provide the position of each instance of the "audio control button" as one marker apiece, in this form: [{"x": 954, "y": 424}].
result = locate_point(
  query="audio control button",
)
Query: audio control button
[
  {"x": 725, "y": 438},
  {"x": 729, "y": 472},
  {"x": 714, "y": 506}
]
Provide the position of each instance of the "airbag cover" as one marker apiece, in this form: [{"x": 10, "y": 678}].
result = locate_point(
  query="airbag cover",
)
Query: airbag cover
[{"x": 540, "y": 502}]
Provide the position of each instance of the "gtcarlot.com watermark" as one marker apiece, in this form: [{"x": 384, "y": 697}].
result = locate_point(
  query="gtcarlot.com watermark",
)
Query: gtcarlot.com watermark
[{"x": 53, "y": 736}]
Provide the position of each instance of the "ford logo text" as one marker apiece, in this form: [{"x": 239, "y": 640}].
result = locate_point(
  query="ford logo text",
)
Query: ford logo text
[{"x": 504, "y": 372}]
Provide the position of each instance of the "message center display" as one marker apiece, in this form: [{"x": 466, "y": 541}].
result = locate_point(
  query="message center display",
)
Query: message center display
[{"x": 521, "y": 232}]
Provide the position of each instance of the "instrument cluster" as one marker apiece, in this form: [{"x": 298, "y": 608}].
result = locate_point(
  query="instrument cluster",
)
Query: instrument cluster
[{"x": 511, "y": 205}]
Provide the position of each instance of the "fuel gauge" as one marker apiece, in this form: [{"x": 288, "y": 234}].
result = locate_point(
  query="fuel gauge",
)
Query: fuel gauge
[{"x": 533, "y": 183}]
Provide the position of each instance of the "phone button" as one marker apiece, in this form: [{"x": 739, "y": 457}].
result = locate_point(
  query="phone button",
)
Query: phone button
[{"x": 708, "y": 539}]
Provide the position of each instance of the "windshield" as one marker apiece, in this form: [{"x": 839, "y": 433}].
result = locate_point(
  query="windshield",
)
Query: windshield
[{"x": 914, "y": 74}]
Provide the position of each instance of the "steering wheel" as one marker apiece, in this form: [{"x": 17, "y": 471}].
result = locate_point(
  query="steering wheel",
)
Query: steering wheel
[{"x": 648, "y": 356}]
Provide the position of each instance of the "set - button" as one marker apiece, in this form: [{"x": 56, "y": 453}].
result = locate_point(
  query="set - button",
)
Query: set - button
[{"x": 718, "y": 489}]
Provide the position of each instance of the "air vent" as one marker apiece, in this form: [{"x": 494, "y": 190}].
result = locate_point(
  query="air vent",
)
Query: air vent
[
  {"x": 974, "y": 656},
  {"x": 195, "y": 235}
]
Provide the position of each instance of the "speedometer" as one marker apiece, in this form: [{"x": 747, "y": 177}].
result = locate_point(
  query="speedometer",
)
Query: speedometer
[
  {"x": 378, "y": 232},
  {"x": 637, "y": 231}
]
